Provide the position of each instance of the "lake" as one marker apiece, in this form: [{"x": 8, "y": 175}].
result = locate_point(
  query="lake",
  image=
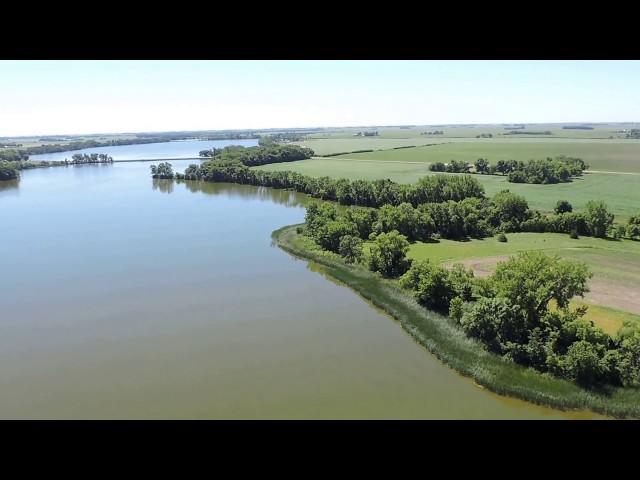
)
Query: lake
[
  {"x": 175, "y": 149},
  {"x": 129, "y": 298}
]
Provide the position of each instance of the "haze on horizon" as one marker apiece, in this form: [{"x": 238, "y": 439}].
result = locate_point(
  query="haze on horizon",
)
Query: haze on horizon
[{"x": 88, "y": 97}]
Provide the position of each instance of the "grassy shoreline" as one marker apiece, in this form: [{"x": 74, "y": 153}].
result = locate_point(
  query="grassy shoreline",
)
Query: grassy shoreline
[{"x": 447, "y": 342}]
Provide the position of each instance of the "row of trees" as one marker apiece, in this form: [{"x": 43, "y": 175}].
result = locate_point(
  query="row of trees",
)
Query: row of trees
[
  {"x": 550, "y": 170},
  {"x": 259, "y": 155},
  {"x": 10, "y": 169},
  {"x": 82, "y": 158},
  {"x": 521, "y": 312},
  {"x": 471, "y": 217},
  {"x": 433, "y": 188}
]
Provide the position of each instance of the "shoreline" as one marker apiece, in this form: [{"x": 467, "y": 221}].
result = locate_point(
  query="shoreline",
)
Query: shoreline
[{"x": 451, "y": 346}]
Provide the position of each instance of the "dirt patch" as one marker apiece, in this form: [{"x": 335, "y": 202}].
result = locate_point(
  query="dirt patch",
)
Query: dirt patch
[
  {"x": 603, "y": 292},
  {"x": 482, "y": 267},
  {"x": 614, "y": 295}
]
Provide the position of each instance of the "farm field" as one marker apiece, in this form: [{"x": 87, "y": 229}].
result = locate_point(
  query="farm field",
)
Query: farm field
[
  {"x": 336, "y": 145},
  {"x": 615, "y": 286},
  {"x": 603, "y": 155},
  {"x": 602, "y": 131},
  {"x": 620, "y": 192}
]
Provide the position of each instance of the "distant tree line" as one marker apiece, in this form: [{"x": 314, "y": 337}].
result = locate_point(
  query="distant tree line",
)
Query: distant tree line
[
  {"x": 275, "y": 138},
  {"x": 550, "y": 170},
  {"x": 81, "y": 145},
  {"x": 577, "y": 127},
  {"x": 633, "y": 133},
  {"x": 435, "y": 132},
  {"x": 260, "y": 155},
  {"x": 10, "y": 169},
  {"x": 485, "y": 135},
  {"x": 514, "y": 132}
]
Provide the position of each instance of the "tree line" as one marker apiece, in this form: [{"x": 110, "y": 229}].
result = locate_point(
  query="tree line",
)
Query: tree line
[
  {"x": 547, "y": 171},
  {"x": 10, "y": 169},
  {"x": 374, "y": 193},
  {"x": 510, "y": 312},
  {"x": 259, "y": 155}
]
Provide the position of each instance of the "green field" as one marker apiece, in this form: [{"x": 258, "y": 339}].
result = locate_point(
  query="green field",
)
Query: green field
[
  {"x": 602, "y": 155},
  {"x": 335, "y": 145},
  {"x": 471, "y": 131},
  {"x": 620, "y": 192},
  {"x": 615, "y": 265}
]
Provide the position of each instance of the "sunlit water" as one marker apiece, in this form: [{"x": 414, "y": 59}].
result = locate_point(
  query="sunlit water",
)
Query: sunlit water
[
  {"x": 124, "y": 297},
  {"x": 177, "y": 149}
]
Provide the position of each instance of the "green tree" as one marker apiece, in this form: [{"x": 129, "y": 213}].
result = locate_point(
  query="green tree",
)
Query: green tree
[
  {"x": 388, "y": 254},
  {"x": 563, "y": 206},
  {"x": 350, "y": 248},
  {"x": 8, "y": 171},
  {"x": 583, "y": 363},
  {"x": 532, "y": 279},
  {"x": 482, "y": 165},
  {"x": 430, "y": 284},
  {"x": 598, "y": 218}
]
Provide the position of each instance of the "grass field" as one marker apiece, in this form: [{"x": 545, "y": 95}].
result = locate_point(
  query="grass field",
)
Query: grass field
[
  {"x": 620, "y": 192},
  {"x": 603, "y": 155},
  {"x": 615, "y": 286},
  {"x": 470, "y": 131}
]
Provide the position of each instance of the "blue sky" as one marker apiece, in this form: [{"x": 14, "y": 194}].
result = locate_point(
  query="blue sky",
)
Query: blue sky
[{"x": 66, "y": 97}]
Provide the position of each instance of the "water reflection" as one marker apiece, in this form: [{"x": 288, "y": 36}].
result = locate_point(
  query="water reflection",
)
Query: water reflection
[
  {"x": 164, "y": 185},
  {"x": 10, "y": 186},
  {"x": 242, "y": 192}
]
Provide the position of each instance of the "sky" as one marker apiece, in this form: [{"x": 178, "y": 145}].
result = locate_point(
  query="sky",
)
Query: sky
[{"x": 79, "y": 97}]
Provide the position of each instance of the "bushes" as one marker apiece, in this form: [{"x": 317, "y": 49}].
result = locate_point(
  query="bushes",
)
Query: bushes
[
  {"x": 430, "y": 285},
  {"x": 502, "y": 237},
  {"x": 563, "y": 206},
  {"x": 350, "y": 248},
  {"x": 388, "y": 254},
  {"x": 8, "y": 171}
]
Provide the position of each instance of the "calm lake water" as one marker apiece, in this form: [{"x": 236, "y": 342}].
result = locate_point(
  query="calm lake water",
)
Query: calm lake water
[
  {"x": 177, "y": 149},
  {"x": 124, "y": 297}
]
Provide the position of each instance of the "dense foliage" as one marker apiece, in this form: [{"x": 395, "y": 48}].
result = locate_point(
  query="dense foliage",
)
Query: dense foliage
[
  {"x": 558, "y": 170},
  {"x": 522, "y": 313},
  {"x": 8, "y": 171},
  {"x": 162, "y": 170},
  {"x": 260, "y": 155},
  {"x": 433, "y": 188}
]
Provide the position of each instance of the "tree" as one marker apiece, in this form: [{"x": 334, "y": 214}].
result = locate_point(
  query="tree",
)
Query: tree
[
  {"x": 598, "y": 218},
  {"x": 633, "y": 227},
  {"x": 430, "y": 284},
  {"x": 583, "y": 363},
  {"x": 532, "y": 279},
  {"x": 509, "y": 207},
  {"x": 482, "y": 166},
  {"x": 563, "y": 206},
  {"x": 8, "y": 171},
  {"x": 387, "y": 254},
  {"x": 350, "y": 248}
]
